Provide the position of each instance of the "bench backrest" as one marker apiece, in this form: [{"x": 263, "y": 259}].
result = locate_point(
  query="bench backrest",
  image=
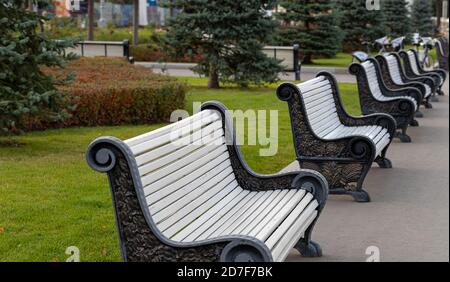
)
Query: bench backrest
[
  {"x": 184, "y": 169},
  {"x": 372, "y": 76},
  {"x": 394, "y": 68},
  {"x": 413, "y": 61},
  {"x": 320, "y": 105}
]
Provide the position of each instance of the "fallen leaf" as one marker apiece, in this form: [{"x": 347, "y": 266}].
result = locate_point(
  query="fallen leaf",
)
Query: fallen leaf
[{"x": 2, "y": 229}]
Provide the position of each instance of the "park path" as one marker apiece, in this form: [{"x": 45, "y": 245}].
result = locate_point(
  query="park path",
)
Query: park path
[
  {"x": 183, "y": 69},
  {"x": 408, "y": 218}
]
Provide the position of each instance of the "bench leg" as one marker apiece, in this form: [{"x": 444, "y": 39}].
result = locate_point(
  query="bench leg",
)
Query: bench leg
[
  {"x": 419, "y": 114},
  {"x": 404, "y": 138},
  {"x": 414, "y": 123},
  {"x": 383, "y": 162},
  {"x": 308, "y": 248},
  {"x": 428, "y": 105},
  {"x": 360, "y": 196},
  {"x": 440, "y": 92}
]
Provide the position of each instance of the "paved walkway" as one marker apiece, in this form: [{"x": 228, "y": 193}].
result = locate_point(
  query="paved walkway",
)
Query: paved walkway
[
  {"x": 408, "y": 218},
  {"x": 183, "y": 69}
]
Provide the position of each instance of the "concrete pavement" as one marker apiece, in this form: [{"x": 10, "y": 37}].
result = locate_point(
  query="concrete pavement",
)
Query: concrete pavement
[
  {"x": 408, "y": 218},
  {"x": 184, "y": 69}
]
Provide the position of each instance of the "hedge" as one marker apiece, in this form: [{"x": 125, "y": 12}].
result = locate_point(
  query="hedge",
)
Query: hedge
[
  {"x": 152, "y": 53},
  {"x": 110, "y": 91}
]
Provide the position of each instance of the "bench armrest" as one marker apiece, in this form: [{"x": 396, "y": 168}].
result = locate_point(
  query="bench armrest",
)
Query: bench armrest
[
  {"x": 383, "y": 120},
  {"x": 250, "y": 180}
]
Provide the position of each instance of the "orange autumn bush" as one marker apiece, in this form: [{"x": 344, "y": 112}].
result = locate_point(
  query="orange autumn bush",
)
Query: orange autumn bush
[{"x": 110, "y": 91}]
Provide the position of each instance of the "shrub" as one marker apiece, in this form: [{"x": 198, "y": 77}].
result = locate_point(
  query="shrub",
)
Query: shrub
[
  {"x": 152, "y": 53},
  {"x": 110, "y": 91}
]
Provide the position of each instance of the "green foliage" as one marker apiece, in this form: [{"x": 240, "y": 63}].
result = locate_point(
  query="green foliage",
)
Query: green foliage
[
  {"x": 359, "y": 24},
  {"x": 421, "y": 14},
  {"x": 67, "y": 27},
  {"x": 229, "y": 35},
  {"x": 24, "y": 90},
  {"x": 398, "y": 22},
  {"x": 313, "y": 24},
  {"x": 111, "y": 91}
]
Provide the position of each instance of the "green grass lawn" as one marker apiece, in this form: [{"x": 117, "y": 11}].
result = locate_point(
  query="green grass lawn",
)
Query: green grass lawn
[{"x": 50, "y": 199}]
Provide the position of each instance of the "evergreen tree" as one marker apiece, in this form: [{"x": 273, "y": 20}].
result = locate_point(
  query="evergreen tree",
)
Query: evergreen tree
[
  {"x": 421, "y": 14},
  {"x": 313, "y": 24},
  {"x": 398, "y": 22},
  {"x": 359, "y": 24},
  {"x": 25, "y": 91},
  {"x": 229, "y": 35}
]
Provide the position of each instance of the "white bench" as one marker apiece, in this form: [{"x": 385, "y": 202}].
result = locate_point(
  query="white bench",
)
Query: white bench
[
  {"x": 395, "y": 78},
  {"x": 341, "y": 147},
  {"x": 375, "y": 97},
  {"x": 414, "y": 70},
  {"x": 441, "y": 45},
  {"x": 189, "y": 189}
]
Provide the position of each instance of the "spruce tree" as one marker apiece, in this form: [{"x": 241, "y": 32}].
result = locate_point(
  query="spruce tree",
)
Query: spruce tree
[
  {"x": 359, "y": 24},
  {"x": 398, "y": 22},
  {"x": 421, "y": 14},
  {"x": 25, "y": 91},
  {"x": 229, "y": 35},
  {"x": 313, "y": 24}
]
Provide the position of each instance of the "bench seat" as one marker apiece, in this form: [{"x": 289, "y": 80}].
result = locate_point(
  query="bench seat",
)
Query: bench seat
[
  {"x": 196, "y": 191},
  {"x": 327, "y": 139}
]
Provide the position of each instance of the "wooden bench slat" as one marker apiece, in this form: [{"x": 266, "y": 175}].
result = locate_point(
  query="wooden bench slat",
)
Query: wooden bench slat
[
  {"x": 249, "y": 208},
  {"x": 207, "y": 221},
  {"x": 164, "y": 130},
  {"x": 275, "y": 237},
  {"x": 265, "y": 212},
  {"x": 152, "y": 186},
  {"x": 220, "y": 199},
  {"x": 186, "y": 180},
  {"x": 181, "y": 197},
  {"x": 274, "y": 219},
  {"x": 293, "y": 235},
  {"x": 173, "y": 135},
  {"x": 141, "y": 160},
  {"x": 239, "y": 226},
  {"x": 224, "y": 203},
  {"x": 197, "y": 206},
  {"x": 192, "y": 153},
  {"x": 305, "y": 88},
  {"x": 175, "y": 154},
  {"x": 230, "y": 216}
]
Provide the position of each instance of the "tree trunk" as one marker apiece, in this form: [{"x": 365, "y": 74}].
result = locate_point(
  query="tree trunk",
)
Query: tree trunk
[
  {"x": 438, "y": 16},
  {"x": 90, "y": 19},
  {"x": 136, "y": 23},
  {"x": 171, "y": 10},
  {"x": 213, "y": 78},
  {"x": 307, "y": 59}
]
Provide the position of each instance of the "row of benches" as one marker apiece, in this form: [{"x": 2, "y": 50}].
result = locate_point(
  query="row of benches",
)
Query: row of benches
[{"x": 184, "y": 192}]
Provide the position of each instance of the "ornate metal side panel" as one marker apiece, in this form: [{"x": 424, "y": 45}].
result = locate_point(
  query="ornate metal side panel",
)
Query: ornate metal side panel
[{"x": 138, "y": 242}]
